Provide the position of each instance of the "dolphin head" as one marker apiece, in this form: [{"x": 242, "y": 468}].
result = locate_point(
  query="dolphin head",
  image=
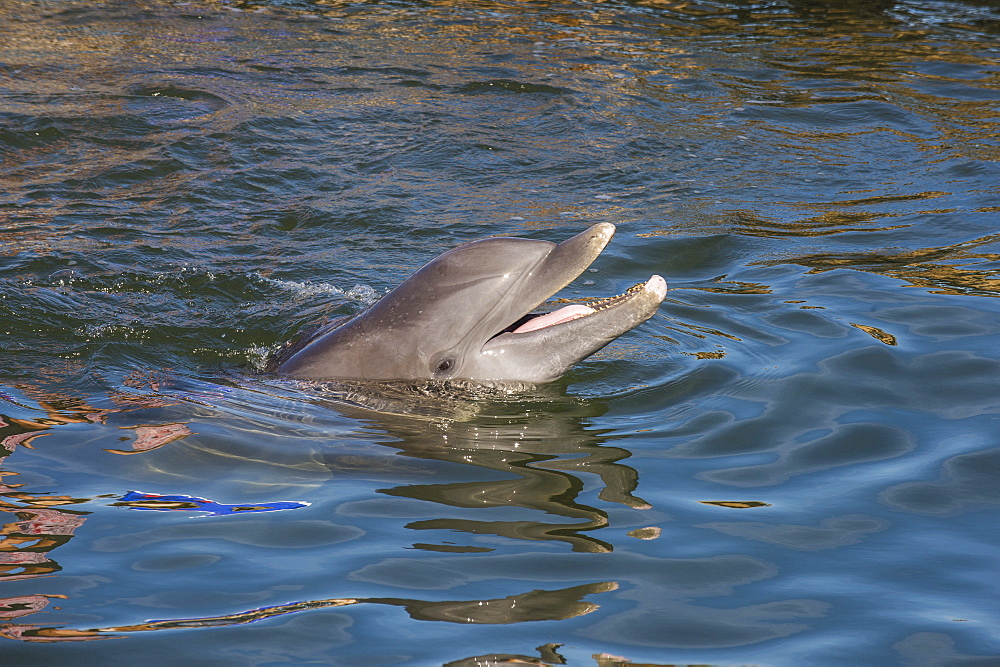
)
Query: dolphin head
[{"x": 466, "y": 315}]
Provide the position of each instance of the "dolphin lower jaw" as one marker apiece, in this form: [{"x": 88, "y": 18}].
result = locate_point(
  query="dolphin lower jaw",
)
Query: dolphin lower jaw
[
  {"x": 544, "y": 354},
  {"x": 536, "y": 321}
]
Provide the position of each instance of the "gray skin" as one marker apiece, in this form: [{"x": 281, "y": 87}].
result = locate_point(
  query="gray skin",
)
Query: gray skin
[{"x": 442, "y": 323}]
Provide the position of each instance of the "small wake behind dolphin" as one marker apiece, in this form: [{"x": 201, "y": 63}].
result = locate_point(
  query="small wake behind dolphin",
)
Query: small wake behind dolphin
[{"x": 467, "y": 316}]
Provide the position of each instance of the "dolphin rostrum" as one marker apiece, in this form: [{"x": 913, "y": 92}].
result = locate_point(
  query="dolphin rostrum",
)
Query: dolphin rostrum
[{"x": 466, "y": 315}]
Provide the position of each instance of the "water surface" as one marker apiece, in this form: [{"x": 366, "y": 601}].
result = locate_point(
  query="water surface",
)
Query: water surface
[{"x": 795, "y": 462}]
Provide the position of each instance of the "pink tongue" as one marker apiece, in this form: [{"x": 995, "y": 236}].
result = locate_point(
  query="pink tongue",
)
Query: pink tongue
[{"x": 555, "y": 317}]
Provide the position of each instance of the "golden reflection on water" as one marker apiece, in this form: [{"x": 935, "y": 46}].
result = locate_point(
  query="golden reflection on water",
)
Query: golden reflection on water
[
  {"x": 876, "y": 333},
  {"x": 862, "y": 69},
  {"x": 736, "y": 504},
  {"x": 944, "y": 270}
]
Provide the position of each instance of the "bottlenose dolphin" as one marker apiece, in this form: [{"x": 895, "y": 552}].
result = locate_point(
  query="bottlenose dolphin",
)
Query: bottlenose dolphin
[{"x": 466, "y": 315}]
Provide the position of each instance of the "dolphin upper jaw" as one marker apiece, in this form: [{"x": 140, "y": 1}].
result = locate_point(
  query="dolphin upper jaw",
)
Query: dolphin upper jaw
[{"x": 526, "y": 291}]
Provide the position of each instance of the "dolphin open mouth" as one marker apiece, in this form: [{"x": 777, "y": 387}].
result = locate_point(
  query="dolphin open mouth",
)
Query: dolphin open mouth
[
  {"x": 552, "y": 342},
  {"x": 535, "y": 321}
]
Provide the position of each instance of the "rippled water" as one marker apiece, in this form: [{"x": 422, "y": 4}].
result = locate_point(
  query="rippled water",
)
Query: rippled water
[{"x": 796, "y": 461}]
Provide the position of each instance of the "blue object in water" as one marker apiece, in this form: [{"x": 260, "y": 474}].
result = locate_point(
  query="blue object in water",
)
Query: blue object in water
[{"x": 165, "y": 503}]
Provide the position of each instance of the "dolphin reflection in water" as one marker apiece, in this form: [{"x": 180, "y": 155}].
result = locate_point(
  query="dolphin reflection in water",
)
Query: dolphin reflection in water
[{"x": 467, "y": 315}]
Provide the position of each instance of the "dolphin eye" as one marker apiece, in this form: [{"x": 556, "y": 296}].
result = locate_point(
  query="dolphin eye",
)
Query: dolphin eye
[{"x": 445, "y": 365}]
